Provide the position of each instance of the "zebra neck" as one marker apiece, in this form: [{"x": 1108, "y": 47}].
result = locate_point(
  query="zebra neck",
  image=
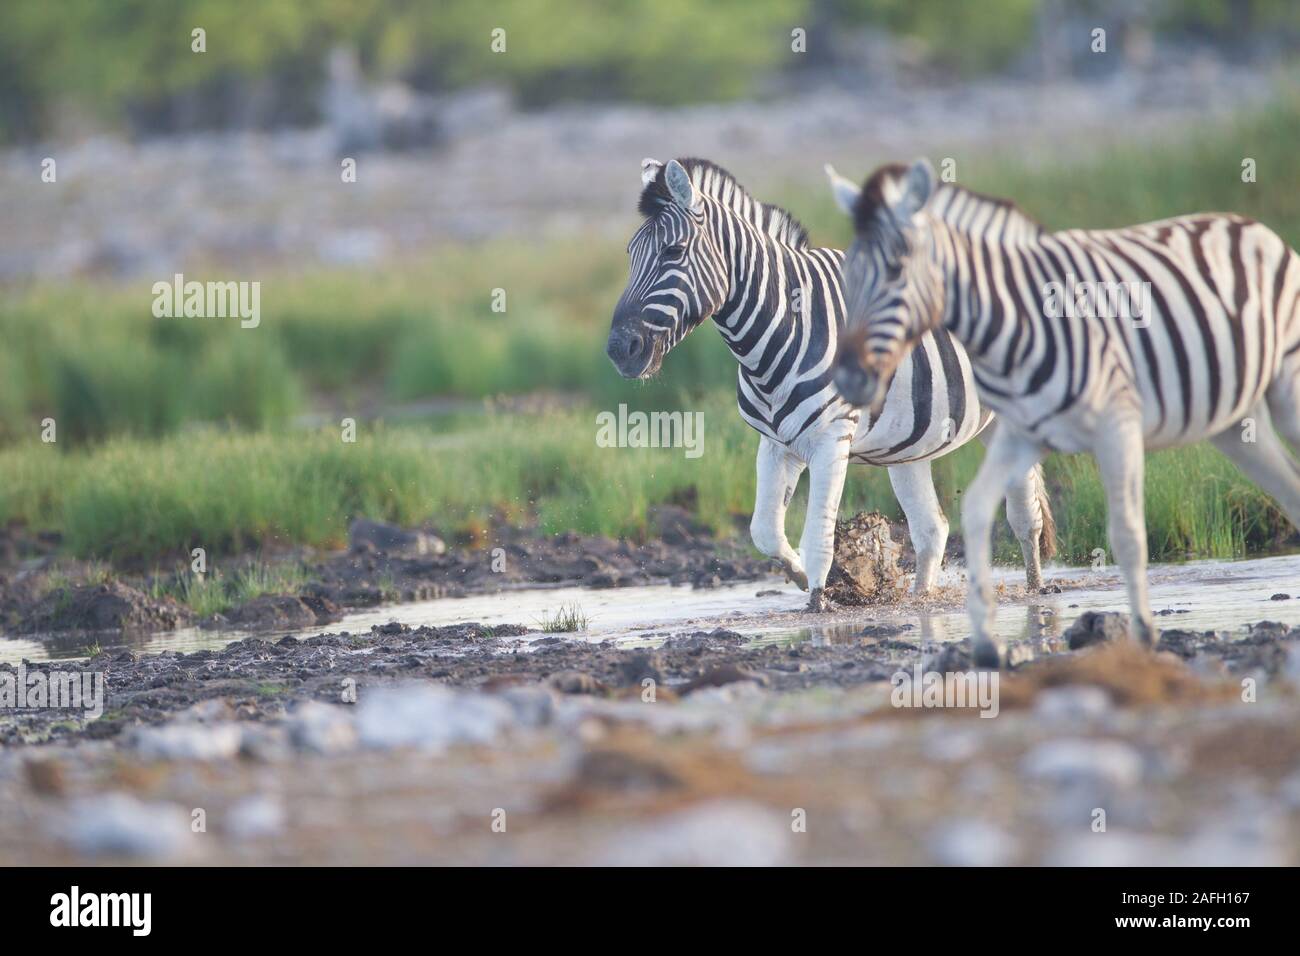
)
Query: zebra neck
[
  {"x": 995, "y": 331},
  {"x": 766, "y": 278}
]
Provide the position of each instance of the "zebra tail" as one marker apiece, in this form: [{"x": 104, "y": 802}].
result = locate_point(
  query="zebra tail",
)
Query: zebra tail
[{"x": 1047, "y": 542}]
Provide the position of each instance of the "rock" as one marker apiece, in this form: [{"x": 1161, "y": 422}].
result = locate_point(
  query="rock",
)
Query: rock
[
  {"x": 724, "y": 674},
  {"x": 972, "y": 843},
  {"x": 636, "y": 666},
  {"x": 1119, "y": 848},
  {"x": 322, "y": 728},
  {"x": 188, "y": 741},
  {"x": 430, "y": 717},
  {"x": 272, "y": 612},
  {"x": 1076, "y": 703},
  {"x": 254, "y": 817},
  {"x": 1280, "y": 597},
  {"x": 720, "y": 833},
  {"x": 950, "y": 659},
  {"x": 1084, "y": 761},
  {"x": 105, "y": 607},
  {"x": 616, "y": 771},
  {"x": 326, "y": 611},
  {"x": 675, "y": 525},
  {"x": 533, "y": 706},
  {"x": 1094, "y": 627},
  {"x": 366, "y": 535},
  {"x": 575, "y": 682},
  {"x": 118, "y": 824},
  {"x": 865, "y": 567},
  {"x": 46, "y": 777}
]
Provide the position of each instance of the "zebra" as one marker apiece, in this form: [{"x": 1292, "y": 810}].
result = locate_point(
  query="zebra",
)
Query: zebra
[
  {"x": 1213, "y": 342},
  {"x": 707, "y": 248}
]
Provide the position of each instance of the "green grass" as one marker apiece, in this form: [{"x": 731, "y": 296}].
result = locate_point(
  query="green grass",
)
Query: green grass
[
  {"x": 94, "y": 357},
  {"x": 213, "y": 593},
  {"x": 570, "y": 617},
  {"x": 138, "y": 502},
  {"x": 174, "y": 433}
]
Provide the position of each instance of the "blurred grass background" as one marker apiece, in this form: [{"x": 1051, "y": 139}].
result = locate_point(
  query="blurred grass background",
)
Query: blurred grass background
[
  {"x": 120, "y": 62},
  {"x": 180, "y": 432}
]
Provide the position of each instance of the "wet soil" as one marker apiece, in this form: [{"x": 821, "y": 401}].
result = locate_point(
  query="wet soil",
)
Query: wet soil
[
  {"x": 418, "y": 745},
  {"x": 474, "y": 743},
  {"x": 42, "y": 595}
]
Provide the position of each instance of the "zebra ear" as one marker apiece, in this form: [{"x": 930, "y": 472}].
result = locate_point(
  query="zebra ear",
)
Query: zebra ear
[
  {"x": 681, "y": 188},
  {"x": 845, "y": 192},
  {"x": 649, "y": 170},
  {"x": 915, "y": 189}
]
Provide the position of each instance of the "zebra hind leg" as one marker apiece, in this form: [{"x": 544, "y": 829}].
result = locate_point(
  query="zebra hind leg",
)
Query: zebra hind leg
[
  {"x": 1265, "y": 460},
  {"x": 1030, "y": 515},
  {"x": 927, "y": 526}
]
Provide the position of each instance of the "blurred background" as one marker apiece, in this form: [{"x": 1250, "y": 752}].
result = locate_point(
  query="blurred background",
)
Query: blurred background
[{"x": 497, "y": 147}]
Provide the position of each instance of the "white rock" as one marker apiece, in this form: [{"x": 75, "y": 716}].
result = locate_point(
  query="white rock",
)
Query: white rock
[
  {"x": 722, "y": 833},
  {"x": 430, "y": 717},
  {"x": 1084, "y": 761},
  {"x": 1289, "y": 789},
  {"x": 1077, "y": 703},
  {"x": 972, "y": 843},
  {"x": 253, "y": 817},
  {"x": 1124, "y": 848},
  {"x": 533, "y": 706},
  {"x": 188, "y": 741},
  {"x": 322, "y": 728},
  {"x": 118, "y": 824}
]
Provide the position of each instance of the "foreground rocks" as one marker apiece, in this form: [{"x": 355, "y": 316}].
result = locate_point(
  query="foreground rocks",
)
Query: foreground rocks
[{"x": 361, "y": 764}]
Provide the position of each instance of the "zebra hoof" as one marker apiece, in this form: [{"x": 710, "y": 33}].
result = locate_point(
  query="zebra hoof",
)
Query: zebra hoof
[
  {"x": 818, "y": 602},
  {"x": 985, "y": 654},
  {"x": 796, "y": 576}
]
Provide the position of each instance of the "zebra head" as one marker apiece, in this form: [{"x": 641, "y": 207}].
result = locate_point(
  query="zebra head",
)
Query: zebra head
[
  {"x": 893, "y": 292},
  {"x": 678, "y": 278}
]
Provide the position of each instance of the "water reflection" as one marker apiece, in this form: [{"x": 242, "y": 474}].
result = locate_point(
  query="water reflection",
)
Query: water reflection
[{"x": 1220, "y": 595}]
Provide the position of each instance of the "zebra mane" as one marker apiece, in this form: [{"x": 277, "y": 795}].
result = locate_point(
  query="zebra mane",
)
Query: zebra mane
[
  {"x": 951, "y": 204},
  {"x": 714, "y": 181}
]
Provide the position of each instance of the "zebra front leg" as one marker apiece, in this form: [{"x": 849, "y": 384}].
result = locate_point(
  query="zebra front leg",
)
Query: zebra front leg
[
  {"x": 778, "y": 473},
  {"x": 1120, "y": 460},
  {"x": 826, "y": 470},
  {"x": 913, "y": 486},
  {"x": 1008, "y": 457}
]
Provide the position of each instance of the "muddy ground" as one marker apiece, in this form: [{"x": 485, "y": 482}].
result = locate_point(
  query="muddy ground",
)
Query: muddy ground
[
  {"x": 44, "y": 595},
  {"x": 469, "y": 744},
  {"x": 503, "y": 745}
]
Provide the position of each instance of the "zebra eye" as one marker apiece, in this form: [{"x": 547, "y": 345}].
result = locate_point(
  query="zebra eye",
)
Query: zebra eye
[{"x": 673, "y": 253}]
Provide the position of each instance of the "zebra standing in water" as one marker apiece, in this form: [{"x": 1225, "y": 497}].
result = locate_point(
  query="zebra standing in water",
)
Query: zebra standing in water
[
  {"x": 1215, "y": 342},
  {"x": 709, "y": 249}
]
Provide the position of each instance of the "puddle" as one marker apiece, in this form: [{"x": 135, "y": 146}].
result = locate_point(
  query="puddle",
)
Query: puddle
[{"x": 1202, "y": 595}]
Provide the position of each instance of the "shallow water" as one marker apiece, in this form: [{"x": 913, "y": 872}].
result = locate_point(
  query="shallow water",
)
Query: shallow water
[{"x": 1201, "y": 595}]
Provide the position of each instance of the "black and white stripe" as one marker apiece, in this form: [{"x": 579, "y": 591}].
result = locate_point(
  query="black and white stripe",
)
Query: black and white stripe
[
  {"x": 1210, "y": 349},
  {"x": 708, "y": 249},
  {"x": 749, "y": 266}
]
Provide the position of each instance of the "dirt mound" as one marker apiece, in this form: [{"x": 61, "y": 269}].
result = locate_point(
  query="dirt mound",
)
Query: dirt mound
[
  {"x": 104, "y": 607},
  {"x": 1133, "y": 677},
  {"x": 865, "y": 570}
]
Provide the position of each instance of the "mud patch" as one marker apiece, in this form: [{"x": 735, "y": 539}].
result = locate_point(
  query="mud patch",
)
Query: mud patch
[
  {"x": 112, "y": 606},
  {"x": 866, "y": 568}
]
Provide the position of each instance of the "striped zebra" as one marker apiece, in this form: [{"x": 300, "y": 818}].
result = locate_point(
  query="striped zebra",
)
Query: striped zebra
[
  {"x": 1201, "y": 342},
  {"x": 707, "y": 249}
]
